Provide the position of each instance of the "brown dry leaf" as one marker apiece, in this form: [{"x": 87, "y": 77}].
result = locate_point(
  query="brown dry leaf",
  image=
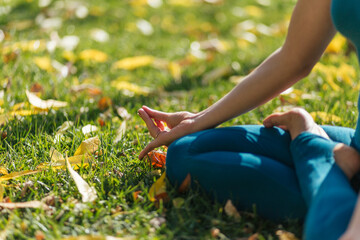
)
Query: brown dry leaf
[
  {"x": 91, "y": 89},
  {"x": 157, "y": 158},
  {"x": 93, "y": 55},
  {"x": 185, "y": 185},
  {"x": 120, "y": 132},
  {"x": 104, "y": 103},
  {"x": 231, "y": 210},
  {"x": 216, "y": 74},
  {"x": 88, "y": 146},
  {"x": 284, "y": 235},
  {"x": 12, "y": 56},
  {"x": 26, "y": 46},
  {"x": 158, "y": 189},
  {"x": 132, "y": 63},
  {"x": 214, "y": 232},
  {"x": 18, "y": 174},
  {"x": 44, "y": 63},
  {"x": 88, "y": 193},
  {"x": 44, "y": 104},
  {"x": 36, "y": 87},
  {"x": 325, "y": 117},
  {"x": 30, "y": 204}
]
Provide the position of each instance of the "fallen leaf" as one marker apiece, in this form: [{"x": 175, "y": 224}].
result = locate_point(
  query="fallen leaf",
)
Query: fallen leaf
[
  {"x": 91, "y": 89},
  {"x": 157, "y": 158},
  {"x": 337, "y": 44},
  {"x": 120, "y": 132},
  {"x": 99, "y": 35},
  {"x": 3, "y": 170},
  {"x": 92, "y": 237},
  {"x": 36, "y": 87},
  {"x": 63, "y": 128},
  {"x": 130, "y": 87},
  {"x": 89, "y": 129},
  {"x": 18, "y": 174},
  {"x": 88, "y": 193},
  {"x": 30, "y": 204},
  {"x": 325, "y": 117},
  {"x": 158, "y": 189},
  {"x": 44, "y": 63},
  {"x": 214, "y": 232},
  {"x": 132, "y": 63},
  {"x": 88, "y": 146},
  {"x": 284, "y": 235},
  {"x": 216, "y": 74},
  {"x": 44, "y": 104},
  {"x": 93, "y": 55},
  {"x": 231, "y": 210},
  {"x": 185, "y": 185},
  {"x": 123, "y": 113},
  {"x": 175, "y": 71},
  {"x": 136, "y": 195},
  {"x": 2, "y": 191},
  {"x": 178, "y": 202},
  {"x": 157, "y": 222},
  {"x": 104, "y": 103}
]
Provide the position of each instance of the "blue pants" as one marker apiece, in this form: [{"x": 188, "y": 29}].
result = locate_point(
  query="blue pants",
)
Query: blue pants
[{"x": 262, "y": 166}]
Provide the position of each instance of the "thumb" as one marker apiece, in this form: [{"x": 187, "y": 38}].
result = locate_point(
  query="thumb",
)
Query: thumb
[{"x": 276, "y": 119}]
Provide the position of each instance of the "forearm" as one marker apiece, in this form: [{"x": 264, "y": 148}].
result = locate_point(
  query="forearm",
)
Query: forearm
[
  {"x": 355, "y": 219},
  {"x": 274, "y": 75}
]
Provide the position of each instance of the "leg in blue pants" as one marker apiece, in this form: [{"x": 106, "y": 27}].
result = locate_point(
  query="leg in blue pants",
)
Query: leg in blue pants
[
  {"x": 325, "y": 187},
  {"x": 248, "y": 164}
]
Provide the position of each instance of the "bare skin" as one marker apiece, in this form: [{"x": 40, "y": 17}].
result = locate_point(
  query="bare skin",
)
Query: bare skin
[{"x": 298, "y": 120}]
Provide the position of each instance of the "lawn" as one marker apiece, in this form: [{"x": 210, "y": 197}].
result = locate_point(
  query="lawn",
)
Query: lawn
[{"x": 101, "y": 61}]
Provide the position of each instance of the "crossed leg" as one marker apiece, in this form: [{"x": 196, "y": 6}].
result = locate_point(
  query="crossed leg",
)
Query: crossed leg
[{"x": 325, "y": 185}]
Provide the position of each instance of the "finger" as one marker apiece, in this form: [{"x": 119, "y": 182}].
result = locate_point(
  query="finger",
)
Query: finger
[
  {"x": 153, "y": 129},
  {"x": 151, "y": 146},
  {"x": 159, "y": 124},
  {"x": 156, "y": 114},
  {"x": 276, "y": 119}
]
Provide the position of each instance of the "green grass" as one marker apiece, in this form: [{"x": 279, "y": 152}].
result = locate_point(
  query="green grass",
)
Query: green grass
[{"x": 117, "y": 173}]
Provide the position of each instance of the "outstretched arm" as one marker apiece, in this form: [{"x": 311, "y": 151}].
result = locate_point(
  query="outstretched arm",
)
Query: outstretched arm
[{"x": 310, "y": 31}]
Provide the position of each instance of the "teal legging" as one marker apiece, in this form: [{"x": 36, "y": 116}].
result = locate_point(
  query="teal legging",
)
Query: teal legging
[{"x": 256, "y": 165}]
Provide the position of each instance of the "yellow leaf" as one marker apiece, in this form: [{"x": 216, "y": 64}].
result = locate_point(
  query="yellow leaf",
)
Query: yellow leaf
[
  {"x": 93, "y": 55},
  {"x": 231, "y": 210},
  {"x": 88, "y": 193},
  {"x": 284, "y": 235},
  {"x": 253, "y": 11},
  {"x": 158, "y": 188},
  {"x": 175, "y": 71},
  {"x": 18, "y": 174},
  {"x": 30, "y": 46},
  {"x": 325, "y": 117},
  {"x": 44, "y": 63},
  {"x": 91, "y": 237},
  {"x": 44, "y": 104},
  {"x": 347, "y": 73},
  {"x": 88, "y": 146},
  {"x": 3, "y": 170},
  {"x": 69, "y": 55},
  {"x": 133, "y": 62},
  {"x": 2, "y": 190},
  {"x": 123, "y": 85},
  {"x": 30, "y": 204},
  {"x": 337, "y": 44}
]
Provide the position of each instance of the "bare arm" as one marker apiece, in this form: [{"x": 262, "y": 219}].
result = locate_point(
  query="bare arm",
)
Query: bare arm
[{"x": 310, "y": 31}]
